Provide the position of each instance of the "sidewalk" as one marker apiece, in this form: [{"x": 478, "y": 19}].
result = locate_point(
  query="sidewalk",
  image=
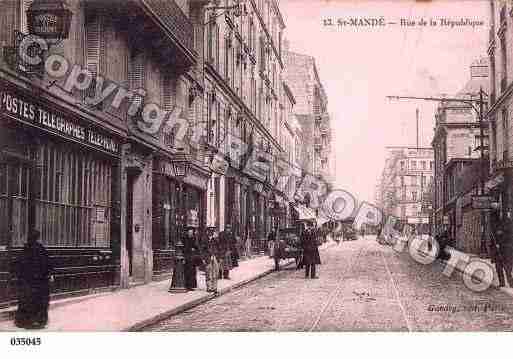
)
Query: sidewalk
[
  {"x": 137, "y": 307},
  {"x": 460, "y": 267}
]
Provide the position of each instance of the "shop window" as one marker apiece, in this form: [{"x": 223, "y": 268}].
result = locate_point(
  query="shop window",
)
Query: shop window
[
  {"x": 73, "y": 206},
  {"x": 14, "y": 184}
]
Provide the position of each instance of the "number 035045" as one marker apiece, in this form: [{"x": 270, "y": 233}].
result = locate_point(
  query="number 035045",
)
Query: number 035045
[{"x": 25, "y": 341}]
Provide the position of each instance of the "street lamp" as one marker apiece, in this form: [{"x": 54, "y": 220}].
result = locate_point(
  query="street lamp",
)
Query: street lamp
[{"x": 180, "y": 166}]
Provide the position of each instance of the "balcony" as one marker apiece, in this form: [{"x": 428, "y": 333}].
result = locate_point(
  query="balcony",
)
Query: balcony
[{"x": 163, "y": 25}]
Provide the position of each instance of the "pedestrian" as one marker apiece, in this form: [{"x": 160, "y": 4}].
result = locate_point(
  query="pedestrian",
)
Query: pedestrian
[
  {"x": 212, "y": 266},
  {"x": 271, "y": 238},
  {"x": 192, "y": 257},
  {"x": 232, "y": 240},
  {"x": 311, "y": 255},
  {"x": 35, "y": 272},
  {"x": 443, "y": 241},
  {"x": 501, "y": 249},
  {"x": 224, "y": 256}
]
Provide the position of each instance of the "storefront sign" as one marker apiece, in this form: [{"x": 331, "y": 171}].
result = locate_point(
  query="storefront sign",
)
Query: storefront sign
[
  {"x": 482, "y": 202},
  {"x": 26, "y": 111}
]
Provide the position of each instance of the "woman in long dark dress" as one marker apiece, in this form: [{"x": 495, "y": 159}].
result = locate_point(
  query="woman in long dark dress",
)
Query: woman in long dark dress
[
  {"x": 192, "y": 256},
  {"x": 34, "y": 273}
]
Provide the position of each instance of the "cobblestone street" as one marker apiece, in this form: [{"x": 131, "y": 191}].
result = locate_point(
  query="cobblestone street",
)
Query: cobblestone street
[{"x": 363, "y": 286}]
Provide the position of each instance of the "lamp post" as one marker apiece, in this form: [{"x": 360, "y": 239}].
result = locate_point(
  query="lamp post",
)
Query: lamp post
[{"x": 180, "y": 166}]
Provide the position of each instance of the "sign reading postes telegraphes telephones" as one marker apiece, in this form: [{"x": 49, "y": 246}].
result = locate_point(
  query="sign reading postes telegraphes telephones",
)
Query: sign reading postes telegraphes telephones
[
  {"x": 24, "y": 109},
  {"x": 482, "y": 202}
]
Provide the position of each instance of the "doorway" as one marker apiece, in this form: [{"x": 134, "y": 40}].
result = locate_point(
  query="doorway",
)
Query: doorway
[
  {"x": 14, "y": 201},
  {"x": 129, "y": 222}
]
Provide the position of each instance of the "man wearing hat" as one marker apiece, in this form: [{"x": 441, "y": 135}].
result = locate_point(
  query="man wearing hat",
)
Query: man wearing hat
[
  {"x": 225, "y": 259},
  {"x": 34, "y": 272},
  {"x": 501, "y": 246}
]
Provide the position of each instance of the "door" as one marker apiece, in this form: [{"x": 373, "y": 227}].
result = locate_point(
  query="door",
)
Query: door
[
  {"x": 129, "y": 221},
  {"x": 14, "y": 188}
]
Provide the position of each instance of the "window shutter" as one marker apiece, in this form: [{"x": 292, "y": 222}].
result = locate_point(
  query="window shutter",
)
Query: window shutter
[
  {"x": 136, "y": 73},
  {"x": 167, "y": 105},
  {"x": 217, "y": 47},
  {"x": 24, "y": 5},
  {"x": 93, "y": 48}
]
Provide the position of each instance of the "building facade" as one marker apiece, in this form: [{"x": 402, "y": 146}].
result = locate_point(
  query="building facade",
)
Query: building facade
[
  {"x": 312, "y": 112},
  {"x": 244, "y": 109},
  {"x": 405, "y": 184},
  {"x": 90, "y": 171},
  {"x": 500, "y": 105},
  {"x": 456, "y": 144}
]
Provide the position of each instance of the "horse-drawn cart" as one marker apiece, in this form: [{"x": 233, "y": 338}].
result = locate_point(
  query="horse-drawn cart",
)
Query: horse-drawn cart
[{"x": 288, "y": 245}]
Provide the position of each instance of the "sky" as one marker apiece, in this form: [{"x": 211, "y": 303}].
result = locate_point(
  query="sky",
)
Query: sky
[{"x": 360, "y": 66}]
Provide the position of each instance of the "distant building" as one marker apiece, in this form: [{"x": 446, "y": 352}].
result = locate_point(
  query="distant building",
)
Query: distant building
[
  {"x": 405, "y": 183},
  {"x": 312, "y": 112}
]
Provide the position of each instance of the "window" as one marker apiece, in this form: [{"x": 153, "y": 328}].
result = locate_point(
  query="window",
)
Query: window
[
  {"x": 431, "y": 165},
  {"x": 14, "y": 182},
  {"x": 263, "y": 55},
  {"x": 414, "y": 195},
  {"x": 423, "y": 165},
  {"x": 505, "y": 131},
  {"x": 414, "y": 165},
  {"x": 251, "y": 35},
  {"x": 494, "y": 139},
  {"x": 402, "y": 180},
  {"x": 75, "y": 187},
  {"x": 210, "y": 42},
  {"x": 227, "y": 46},
  {"x": 402, "y": 165}
]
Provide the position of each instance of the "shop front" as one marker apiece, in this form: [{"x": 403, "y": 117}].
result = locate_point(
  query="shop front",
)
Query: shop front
[
  {"x": 59, "y": 174},
  {"x": 176, "y": 201}
]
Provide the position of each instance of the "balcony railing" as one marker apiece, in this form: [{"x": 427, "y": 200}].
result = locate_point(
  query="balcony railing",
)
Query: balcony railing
[{"x": 169, "y": 15}]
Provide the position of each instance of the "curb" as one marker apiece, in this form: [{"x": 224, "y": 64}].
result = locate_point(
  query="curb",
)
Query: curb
[{"x": 207, "y": 297}]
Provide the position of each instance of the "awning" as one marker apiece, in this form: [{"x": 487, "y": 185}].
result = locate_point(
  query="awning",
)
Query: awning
[{"x": 304, "y": 212}]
